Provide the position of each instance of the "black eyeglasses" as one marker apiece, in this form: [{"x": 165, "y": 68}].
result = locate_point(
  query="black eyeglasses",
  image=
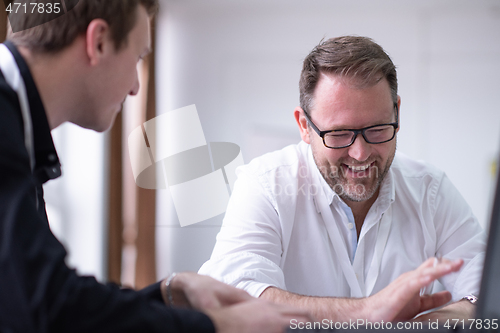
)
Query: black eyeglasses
[{"x": 343, "y": 138}]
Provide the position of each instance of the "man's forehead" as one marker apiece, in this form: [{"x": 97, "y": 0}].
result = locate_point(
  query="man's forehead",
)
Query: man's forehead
[
  {"x": 343, "y": 104},
  {"x": 329, "y": 78},
  {"x": 333, "y": 87},
  {"x": 148, "y": 40},
  {"x": 350, "y": 80},
  {"x": 141, "y": 33}
]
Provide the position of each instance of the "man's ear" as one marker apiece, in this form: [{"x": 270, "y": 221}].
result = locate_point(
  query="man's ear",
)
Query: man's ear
[
  {"x": 399, "y": 114},
  {"x": 98, "y": 41},
  {"x": 301, "y": 120}
]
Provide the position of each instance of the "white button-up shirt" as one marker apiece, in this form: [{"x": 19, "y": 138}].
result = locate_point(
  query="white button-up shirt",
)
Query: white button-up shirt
[{"x": 285, "y": 227}]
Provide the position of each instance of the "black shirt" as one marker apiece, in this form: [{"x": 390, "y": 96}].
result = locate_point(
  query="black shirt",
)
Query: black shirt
[{"x": 38, "y": 292}]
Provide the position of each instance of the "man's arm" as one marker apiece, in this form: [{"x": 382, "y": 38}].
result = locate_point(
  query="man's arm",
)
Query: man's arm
[
  {"x": 230, "y": 309},
  {"x": 400, "y": 300},
  {"x": 459, "y": 236},
  {"x": 55, "y": 298},
  {"x": 255, "y": 316},
  {"x": 459, "y": 310}
]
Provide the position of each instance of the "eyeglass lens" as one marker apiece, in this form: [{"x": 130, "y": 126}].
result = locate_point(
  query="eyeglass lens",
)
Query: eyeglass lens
[{"x": 377, "y": 134}]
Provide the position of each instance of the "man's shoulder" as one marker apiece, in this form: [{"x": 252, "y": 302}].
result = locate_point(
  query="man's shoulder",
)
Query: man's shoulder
[
  {"x": 8, "y": 97},
  {"x": 12, "y": 149},
  {"x": 408, "y": 168},
  {"x": 290, "y": 157},
  {"x": 10, "y": 115}
]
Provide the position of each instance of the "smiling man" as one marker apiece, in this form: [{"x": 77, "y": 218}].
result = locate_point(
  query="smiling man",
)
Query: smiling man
[{"x": 340, "y": 224}]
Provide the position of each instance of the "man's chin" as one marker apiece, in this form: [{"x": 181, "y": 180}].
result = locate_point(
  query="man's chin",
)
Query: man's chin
[
  {"x": 98, "y": 124},
  {"x": 356, "y": 192},
  {"x": 104, "y": 125},
  {"x": 354, "y": 197}
]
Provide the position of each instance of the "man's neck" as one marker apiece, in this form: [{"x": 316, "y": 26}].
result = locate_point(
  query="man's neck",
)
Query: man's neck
[
  {"x": 360, "y": 209},
  {"x": 54, "y": 78}
]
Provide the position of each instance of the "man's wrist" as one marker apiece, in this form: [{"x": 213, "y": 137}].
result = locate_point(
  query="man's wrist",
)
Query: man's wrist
[
  {"x": 368, "y": 308},
  {"x": 166, "y": 290},
  {"x": 471, "y": 298},
  {"x": 175, "y": 294}
]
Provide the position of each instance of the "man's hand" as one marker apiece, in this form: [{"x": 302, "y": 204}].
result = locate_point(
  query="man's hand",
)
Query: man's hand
[
  {"x": 401, "y": 299},
  {"x": 202, "y": 292},
  {"x": 256, "y": 316},
  {"x": 231, "y": 309}
]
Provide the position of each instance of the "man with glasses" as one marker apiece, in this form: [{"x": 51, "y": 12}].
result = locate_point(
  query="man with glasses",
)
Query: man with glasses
[{"x": 341, "y": 224}]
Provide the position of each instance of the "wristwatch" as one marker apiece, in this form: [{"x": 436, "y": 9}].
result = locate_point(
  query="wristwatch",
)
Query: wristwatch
[{"x": 471, "y": 298}]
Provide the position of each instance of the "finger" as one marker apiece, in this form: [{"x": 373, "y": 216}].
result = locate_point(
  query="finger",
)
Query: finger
[
  {"x": 426, "y": 275},
  {"x": 455, "y": 264},
  {"x": 428, "y": 263},
  {"x": 428, "y": 302},
  {"x": 443, "y": 268},
  {"x": 428, "y": 271},
  {"x": 435, "y": 262}
]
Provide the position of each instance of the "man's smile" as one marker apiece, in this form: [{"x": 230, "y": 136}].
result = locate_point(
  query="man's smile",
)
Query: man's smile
[{"x": 358, "y": 171}]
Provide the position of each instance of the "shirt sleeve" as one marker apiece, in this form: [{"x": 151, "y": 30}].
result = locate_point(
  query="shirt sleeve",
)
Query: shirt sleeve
[
  {"x": 459, "y": 236},
  {"x": 248, "y": 250}
]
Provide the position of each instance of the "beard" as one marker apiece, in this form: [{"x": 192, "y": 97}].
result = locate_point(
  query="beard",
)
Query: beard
[{"x": 356, "y": 188}]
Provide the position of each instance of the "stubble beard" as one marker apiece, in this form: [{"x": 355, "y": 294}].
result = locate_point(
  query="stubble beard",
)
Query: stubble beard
[{"x": 363, "y": 188}]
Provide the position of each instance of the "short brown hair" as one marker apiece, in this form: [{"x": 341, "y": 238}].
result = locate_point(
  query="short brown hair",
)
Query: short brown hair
[
  {"x": 57, "y": 34},
  {"x": 359, "y": 58}
]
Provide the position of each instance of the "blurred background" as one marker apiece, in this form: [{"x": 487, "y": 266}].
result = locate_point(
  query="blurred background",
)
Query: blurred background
[{"x": 239, "y": 62}]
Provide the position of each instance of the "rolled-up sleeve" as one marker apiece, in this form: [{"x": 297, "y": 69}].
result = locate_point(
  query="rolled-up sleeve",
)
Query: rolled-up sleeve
[
  {"x": 249, "y": 248},
  {"x": 460, "y": 237}
]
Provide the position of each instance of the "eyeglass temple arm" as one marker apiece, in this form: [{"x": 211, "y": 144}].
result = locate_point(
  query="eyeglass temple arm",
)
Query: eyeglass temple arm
[{"x": 316, "y": 129}]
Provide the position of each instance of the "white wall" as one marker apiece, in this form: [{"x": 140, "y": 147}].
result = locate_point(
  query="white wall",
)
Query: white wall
[
  {"x": 239, "y": 62},
  {"x": 77, "y": 201}
]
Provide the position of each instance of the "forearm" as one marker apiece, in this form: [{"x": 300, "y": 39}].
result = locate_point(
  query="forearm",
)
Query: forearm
[
  {"x": 459, "y": 310},
  {"x": 331, "y": 308},
  {"x": 400, "y": 300},
  {"x": 462, "y": 310},
  {"x": 229, "y": 309}
]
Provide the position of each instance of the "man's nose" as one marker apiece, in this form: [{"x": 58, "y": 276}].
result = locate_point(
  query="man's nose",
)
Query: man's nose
[
  {"x": 360, "y": 150},
  {"x": 136, "y": 86}
]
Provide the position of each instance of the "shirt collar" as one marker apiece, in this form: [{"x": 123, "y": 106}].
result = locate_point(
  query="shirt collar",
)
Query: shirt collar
[
  {"x": 386, "y": 194},
  {"x": 327, "y": 190},
  {"x": 47, "y": 165}
]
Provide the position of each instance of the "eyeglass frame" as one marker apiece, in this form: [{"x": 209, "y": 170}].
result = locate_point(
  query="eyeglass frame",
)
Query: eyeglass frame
[{"x": 356, "y": 131}]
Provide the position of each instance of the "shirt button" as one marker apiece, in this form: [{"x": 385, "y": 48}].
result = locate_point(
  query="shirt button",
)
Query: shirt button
[{"x": 350, "y": 226}]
